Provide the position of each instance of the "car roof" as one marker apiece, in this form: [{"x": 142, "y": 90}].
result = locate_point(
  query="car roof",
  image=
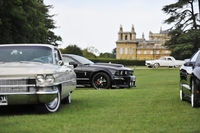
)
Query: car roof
[
  {"x": 70, "y": 55},
  {"x": 46, "y": 45},
  {"x": 166, "y": 56}
]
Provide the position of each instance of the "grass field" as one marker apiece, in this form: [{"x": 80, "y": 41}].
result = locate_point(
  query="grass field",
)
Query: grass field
[{"x": 153, "y": 106}]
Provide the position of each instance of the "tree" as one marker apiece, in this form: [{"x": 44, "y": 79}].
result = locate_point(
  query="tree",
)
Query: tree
[
  {"x": 26, "y": 21},
  {"x": 88, "y": 54},
  {"x": 93, "y": 50},
  {"x": 72, "y": 49},
  {"x": 185, "y": 32},
  {"x": 106, "y": 55}
]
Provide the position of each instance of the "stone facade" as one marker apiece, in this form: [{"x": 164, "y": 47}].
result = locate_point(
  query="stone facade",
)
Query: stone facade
[{"x": 130, "y": 47}]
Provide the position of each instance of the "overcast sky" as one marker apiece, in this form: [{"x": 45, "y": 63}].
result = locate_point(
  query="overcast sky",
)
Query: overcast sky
[{"x": 96, "y": 23}]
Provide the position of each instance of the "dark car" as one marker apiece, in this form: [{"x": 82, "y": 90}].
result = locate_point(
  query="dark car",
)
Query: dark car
[
  {"x": 190, "y": 80},
  {"x": 100, "y": 75}
]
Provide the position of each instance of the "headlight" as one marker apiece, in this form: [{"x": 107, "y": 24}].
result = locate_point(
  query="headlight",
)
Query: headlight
[
  {"x": 45, "y": 78},
  {"x": 50, "y": 78},
  {"x": 123, "y": 73},
  {"x": 40, "y": 78},
  {"x": 119, "y": 73}
]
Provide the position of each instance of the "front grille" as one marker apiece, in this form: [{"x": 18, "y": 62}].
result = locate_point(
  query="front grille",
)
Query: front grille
[
  {"x": 124, "y": 73},
  {"x": 16, "y": 85},
  {"x": 13, "y": 82}
]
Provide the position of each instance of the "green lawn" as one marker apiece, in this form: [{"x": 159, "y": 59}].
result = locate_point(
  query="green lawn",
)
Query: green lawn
[{"x": 153, "y": 106}]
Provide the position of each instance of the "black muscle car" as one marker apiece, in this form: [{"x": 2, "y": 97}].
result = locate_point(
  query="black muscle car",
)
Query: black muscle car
[
  {"x": 100, "y": 75},
  {"x": 190, "y": 80}
]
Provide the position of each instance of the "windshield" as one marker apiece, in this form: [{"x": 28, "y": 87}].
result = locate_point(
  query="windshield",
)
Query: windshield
[
  {"x": 83, "y": 60},
  {"x": 26, "y": 53},
  {"x": 161, "y": 58}
]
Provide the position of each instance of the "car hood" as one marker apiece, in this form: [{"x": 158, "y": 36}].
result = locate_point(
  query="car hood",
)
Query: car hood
[
  {"x": 21, "y": 68},
  {"x": 110, "y": 66}
]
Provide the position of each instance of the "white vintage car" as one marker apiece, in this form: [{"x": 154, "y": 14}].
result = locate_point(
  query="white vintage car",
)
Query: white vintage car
[
  {"x": 168, "y": 61},
  {"x": 34, "y": 74}
]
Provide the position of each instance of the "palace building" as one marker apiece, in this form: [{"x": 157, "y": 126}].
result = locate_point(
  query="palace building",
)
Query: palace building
[{"x": 130, "y": 47}]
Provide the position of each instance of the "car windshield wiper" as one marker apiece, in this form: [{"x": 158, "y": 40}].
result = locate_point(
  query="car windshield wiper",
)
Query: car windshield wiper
[
  {"x": 87, "y": 64},
  {"x": 30, "y": 62}
]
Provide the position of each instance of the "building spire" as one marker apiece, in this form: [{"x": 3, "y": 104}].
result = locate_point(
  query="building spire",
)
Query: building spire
[
  {"x": 133, "y": 29},
  {"x": 120, "y": 29},
  {"x": 143, "y": 36},
  {"x": 160, "y": 29}
]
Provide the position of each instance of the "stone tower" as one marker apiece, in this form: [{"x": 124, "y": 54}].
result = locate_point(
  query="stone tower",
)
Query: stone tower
[{"x": 126, "y": 44}]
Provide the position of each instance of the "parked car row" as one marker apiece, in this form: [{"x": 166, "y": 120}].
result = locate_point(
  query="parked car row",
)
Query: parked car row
[
  {"x": 39, "y": 74},
  {"x": 189, "y": 75}
]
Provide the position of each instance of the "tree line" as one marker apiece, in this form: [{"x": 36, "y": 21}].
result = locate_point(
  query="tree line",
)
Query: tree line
[
  {"x": 27, "y": 21},
  {"x": 89, "y": 52}
]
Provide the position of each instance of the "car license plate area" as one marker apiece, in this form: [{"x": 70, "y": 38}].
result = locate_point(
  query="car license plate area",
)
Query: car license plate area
[{"x": 3, "y": 100}]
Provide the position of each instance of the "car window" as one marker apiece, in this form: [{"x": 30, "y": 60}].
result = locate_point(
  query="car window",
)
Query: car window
[
  {"x": 67, "y": 59},
  {"x": 162, "y": 58},
  {"x": 198, "y": 59},
  {"x": 169, "y": 59},
  {"x": 25, "y": 53},
  {"x": 194, "y": 57},
  {"x": 57, "y": 56},
  {"x": 83, "y": 60},
  {"x": 77, "y": 59}
]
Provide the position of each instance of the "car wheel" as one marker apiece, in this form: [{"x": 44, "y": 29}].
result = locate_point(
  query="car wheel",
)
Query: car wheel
[
  {"x": 101, "y": 80},
  {"x": 176, "y": 66},
  {"x": 181, "y": 93},
  {"x": 194, "y": 101},
  {"x": 156, "y": 65},
  {"x": 67, "y": 100},
  {"x": 50, "y": 107}
]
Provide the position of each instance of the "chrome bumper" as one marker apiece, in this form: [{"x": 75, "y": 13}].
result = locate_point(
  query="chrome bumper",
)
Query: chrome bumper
[
  {"x": 125, "y": 82},
  {"x": 30, "y": 96}
]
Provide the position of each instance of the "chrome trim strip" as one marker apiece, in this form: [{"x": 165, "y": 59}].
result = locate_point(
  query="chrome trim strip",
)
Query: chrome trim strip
[
  {"x": 29, "y": 85},
  {"x": 32, "y": 93}
]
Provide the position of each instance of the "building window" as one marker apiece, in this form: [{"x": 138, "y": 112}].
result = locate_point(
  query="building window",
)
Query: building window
[
  {"x": 130, "y": 50},
  {"x": 157, "y": 52},
  {"x": 166, "y": 51},
  {"x": 126, "y": 50},
  {"x": 151, "y": 52},
  {"x": 138, "y": 52},
  {"x": 126, "y": 37},
  {"x": 145, "y": 52},
  {"x": 121, "y": 50}
]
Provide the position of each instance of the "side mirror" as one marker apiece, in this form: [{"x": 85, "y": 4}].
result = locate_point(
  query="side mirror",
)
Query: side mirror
[
  {"x": 189, "y": 64},
  {"x": 74, "y": 64}
]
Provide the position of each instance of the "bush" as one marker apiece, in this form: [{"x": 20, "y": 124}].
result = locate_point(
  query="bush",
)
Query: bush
[{"x": 119, "y": 61}]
